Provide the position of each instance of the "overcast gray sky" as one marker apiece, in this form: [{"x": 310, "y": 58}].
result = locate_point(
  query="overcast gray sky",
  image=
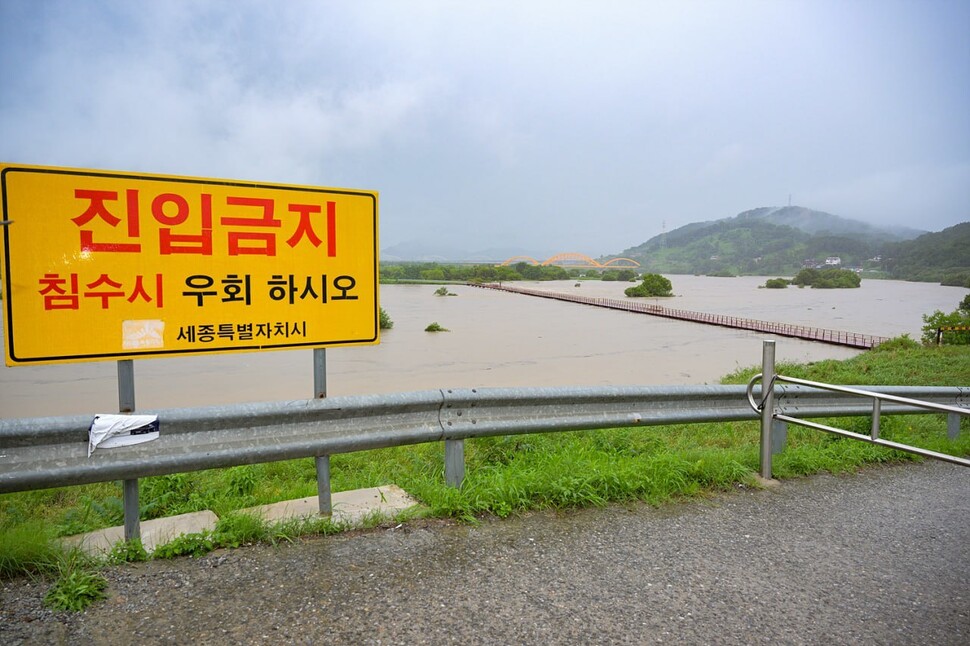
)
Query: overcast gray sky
[{"x": 543, "y": 125}]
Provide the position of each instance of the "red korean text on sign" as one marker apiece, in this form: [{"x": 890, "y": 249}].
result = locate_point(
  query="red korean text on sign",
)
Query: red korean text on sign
[
  {"x": 187, "y": 226},
  {"x": 98, "y": 209},
  {"x": 170, "y": 242},
  {"x": 64, "y": 293}
]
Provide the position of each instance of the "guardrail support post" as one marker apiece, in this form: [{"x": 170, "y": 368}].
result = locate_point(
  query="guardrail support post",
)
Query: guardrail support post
[
  {"x": 126, "y": 404},
  {"x": 768, "y": 405},
  {"x": 454, "y": 462},
  {"x": 325, "y": 504},
  {"x": 324, "y": 501},
  {"x": 876, "y": 412},
  {"x": 130, "y": 503},
  {"x": 779, "y": 436},
  {"x": 126, "y": 386},
  {"x": 319, "y": 373},
  {"x": 952, "y": 426}
]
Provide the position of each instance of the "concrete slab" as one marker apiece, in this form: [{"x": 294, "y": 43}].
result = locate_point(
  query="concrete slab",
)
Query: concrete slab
[
  {"x": 153, "y": 532},
  {"x": 349, "y": 507}
]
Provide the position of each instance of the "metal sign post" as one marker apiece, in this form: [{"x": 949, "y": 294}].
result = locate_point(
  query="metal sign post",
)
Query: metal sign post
[
  {"x": 322, "y": 461},
  {"x": 126, "y": 404},
  {"x": 768, "y": 405}
]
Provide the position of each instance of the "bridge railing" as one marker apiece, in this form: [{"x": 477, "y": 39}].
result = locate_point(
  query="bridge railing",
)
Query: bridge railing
[{"x": 824, "y": 335}]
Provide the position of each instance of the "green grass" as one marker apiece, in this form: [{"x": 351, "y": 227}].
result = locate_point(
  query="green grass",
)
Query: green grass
[
  {"x": 900, "y": 364},
  {"x": 504, "y": 475},
  {"x": 27, "y": 547},
  {"x": 78, "y": 584}
]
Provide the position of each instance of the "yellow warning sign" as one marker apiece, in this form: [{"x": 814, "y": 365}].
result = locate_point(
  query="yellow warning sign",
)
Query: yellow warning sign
[{"x": 101, "y": 265}]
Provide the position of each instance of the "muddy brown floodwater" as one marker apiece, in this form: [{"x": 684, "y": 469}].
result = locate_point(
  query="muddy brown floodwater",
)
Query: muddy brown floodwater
[{"x": 501, "y": 340}]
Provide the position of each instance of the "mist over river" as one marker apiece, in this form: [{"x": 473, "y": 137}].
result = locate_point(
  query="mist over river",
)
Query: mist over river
[{"x": 498, "y": 339}]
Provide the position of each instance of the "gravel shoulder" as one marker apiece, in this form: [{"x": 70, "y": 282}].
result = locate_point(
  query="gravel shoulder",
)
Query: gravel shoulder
[{"x": 878, "y": 557}]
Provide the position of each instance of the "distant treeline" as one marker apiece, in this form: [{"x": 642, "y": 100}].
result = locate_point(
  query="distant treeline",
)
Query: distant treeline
[{"x": 435, "y": 272}]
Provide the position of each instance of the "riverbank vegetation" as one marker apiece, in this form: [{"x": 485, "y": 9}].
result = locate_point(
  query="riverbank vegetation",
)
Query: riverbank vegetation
[
  {"x": 432, "y": 272},
  {"x": 505, "y": 475},
  {"x": 438, "y": 273},
  {"x": 951, "y": 328},
  {"x": 384, "y": 321}
]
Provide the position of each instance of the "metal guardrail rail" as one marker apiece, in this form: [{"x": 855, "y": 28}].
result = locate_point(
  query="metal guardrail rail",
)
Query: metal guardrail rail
[{"x": 38, "y": 453}]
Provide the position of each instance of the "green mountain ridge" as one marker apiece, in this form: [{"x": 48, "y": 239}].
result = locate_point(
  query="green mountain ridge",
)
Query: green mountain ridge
[
  {"x": 783, "y": 240},
  {"x": 942, "y": 256},
  {"x": 822, "y": 223}
]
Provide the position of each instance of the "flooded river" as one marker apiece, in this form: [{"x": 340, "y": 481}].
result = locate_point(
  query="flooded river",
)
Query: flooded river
[{"x": 499, "y": 339}]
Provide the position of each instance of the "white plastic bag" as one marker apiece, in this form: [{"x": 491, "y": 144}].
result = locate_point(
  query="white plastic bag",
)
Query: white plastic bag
[{"x": 109, "y": 431}]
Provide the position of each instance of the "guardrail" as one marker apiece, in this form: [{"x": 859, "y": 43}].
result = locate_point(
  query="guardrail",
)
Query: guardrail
[
  {"x": 50, "y": 452},
  {"x": 773, "y": 422},
  {"x": 875, "y": 410}
]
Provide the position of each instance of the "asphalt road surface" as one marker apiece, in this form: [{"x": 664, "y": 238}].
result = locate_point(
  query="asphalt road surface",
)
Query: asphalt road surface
[{"x": 879, "y": 557}]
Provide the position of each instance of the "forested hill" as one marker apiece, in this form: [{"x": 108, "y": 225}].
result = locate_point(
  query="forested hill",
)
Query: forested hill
[
  {"x": 826, "y": 224},
  {"x": 782, "y": 240},
  {"x": 935, "y": 257}
]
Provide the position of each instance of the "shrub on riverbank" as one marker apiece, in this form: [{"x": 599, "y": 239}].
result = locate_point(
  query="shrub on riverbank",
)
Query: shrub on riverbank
[
  {"x": 651, "y": 285},
  {"x": 935, "y": 325},
  {"x": 827, "y": 278},
  {"x": 384, "y": 320},
  {"x": 620, "y": 275}
]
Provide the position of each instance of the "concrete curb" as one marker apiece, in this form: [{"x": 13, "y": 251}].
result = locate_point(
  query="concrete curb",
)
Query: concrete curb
[
  {"x": 349, "y": 508},
  {"x": 153, "y": 532}
]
